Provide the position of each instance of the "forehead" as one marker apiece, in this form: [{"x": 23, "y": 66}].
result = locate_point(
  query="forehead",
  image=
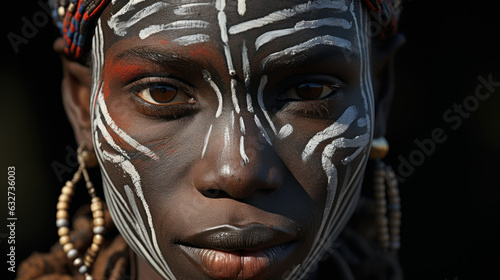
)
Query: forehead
[{"x": 208, "y": 20}]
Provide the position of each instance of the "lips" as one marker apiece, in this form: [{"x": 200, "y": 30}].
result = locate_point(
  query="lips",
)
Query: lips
[{"x": 231, "y": 252}]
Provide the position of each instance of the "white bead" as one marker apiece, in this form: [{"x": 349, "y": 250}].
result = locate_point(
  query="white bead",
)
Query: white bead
[
  {"x": 83, "y": 269},
  {"x": 62, "y": 223},
  {"x": 99, "y": 230},
  {"x": 72, "y": 254}
]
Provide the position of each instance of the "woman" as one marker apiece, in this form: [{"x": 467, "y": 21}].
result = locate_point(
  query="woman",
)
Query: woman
[{"x": 232, "y": 137}]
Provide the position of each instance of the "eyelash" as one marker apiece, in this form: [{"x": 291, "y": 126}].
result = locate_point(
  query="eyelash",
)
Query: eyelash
[{"x": 318, "y": 108}]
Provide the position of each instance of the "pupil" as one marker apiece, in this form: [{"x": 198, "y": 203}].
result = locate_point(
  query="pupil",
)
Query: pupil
[
  {"x": 309, "y": 91},
  {"x": 162, "y": 94}
]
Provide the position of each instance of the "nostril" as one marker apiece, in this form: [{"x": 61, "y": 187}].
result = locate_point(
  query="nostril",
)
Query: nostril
[{"x": 215, "y": 193}]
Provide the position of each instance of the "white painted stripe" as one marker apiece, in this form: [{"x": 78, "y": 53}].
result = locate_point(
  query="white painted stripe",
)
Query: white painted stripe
[
  {"x": 260, "y": 99},
  {"x": 287, "y": 13},
  {"x": 330, "y": 226},
  {"x": 242, "y": 7},
  {"x": 334, "y": 130},
  {"x": 302, "y": 25},
  {"x": 192, "y": 39},
  {"x": 125, "y": 9},
  {"x": 120, "y": 27},
  {"x": 205, "y": 143},
  {"x": 359, "y": 141},
  {"x": 231, "y": 117},
  {"x": 105, "y": 133},
  {"x": 208, "y": 78},
  {"x": 326, "y": 40},
  {"x": 242, "y": 150},
  {"x": 221, "y": 17},
  {"x": 111, "y": 123},
  {"x": 190, "y": 9},
  {"x": 233, "y": 95},
  {"x": 153, "y": 248},
  {"x": 262, "y": 130},
  {"x": 97, "y": 64},
  {"x": 249, "y": 102},
  {"x": 242, "y": 126},
  {"x": 180, "y": 24},
  {"x": 246, "y": 75},
  {"x": 285, "y": 131}
]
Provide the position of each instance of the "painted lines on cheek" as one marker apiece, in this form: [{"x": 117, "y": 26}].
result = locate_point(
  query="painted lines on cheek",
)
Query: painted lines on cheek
[
  {"x": 130, "y": 223},
  {"x": 122, "y": 134},
  {"x": 334, "y": 130},
  {"x": 146, "y": 240},
  {"x": 337, "y": 215}
]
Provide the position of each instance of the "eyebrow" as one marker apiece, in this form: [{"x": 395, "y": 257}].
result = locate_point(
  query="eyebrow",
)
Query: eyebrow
[
  {"x": 311, "y": 51},
  {"x": 155, "y": 56}
]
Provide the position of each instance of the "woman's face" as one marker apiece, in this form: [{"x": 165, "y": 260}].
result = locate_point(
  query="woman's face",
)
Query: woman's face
[{"x": 232, "y": 136}]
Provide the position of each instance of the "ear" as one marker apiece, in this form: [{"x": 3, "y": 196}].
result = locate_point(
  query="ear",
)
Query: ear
[
  {"x": 75, "y": 90},
  {"x": 382, "y": 59}
]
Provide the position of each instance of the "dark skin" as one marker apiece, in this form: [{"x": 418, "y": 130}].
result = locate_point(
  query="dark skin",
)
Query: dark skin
[{"x": 188, "y": 194}]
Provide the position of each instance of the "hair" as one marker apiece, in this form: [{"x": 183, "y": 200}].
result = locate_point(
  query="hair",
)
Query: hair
[{"x": 76, "y": 21}]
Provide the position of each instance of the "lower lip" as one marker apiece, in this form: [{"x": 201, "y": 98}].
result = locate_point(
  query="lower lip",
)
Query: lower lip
[{"x": 238, "y": 264}]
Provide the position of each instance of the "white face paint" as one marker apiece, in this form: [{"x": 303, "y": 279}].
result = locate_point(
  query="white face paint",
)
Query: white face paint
[
  {"x": 334, "y": 219},
  {"x": 140, "y": 234}
]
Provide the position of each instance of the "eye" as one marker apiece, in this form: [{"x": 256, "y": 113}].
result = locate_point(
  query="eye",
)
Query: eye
[
  {"x": 164, "y": 95},
  {"x": 310, "y": 91}
]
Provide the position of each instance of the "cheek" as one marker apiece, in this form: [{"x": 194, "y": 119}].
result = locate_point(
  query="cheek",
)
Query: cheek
[{"x": 328, "y": 155}]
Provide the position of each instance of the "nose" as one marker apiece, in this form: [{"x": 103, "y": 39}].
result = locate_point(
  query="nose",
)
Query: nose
[{"x": 237, "y": 164}]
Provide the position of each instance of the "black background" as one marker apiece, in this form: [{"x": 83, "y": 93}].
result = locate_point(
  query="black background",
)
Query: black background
[{"x": 451, "y": 198}]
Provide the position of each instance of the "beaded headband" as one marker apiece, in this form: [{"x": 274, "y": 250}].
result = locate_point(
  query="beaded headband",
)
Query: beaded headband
[{"x": 75, "y": 19}]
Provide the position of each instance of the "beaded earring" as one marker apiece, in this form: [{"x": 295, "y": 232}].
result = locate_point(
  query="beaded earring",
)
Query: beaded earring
[
  {"x": 384, "y": 179},
  {"x": 82, "y": 263}
]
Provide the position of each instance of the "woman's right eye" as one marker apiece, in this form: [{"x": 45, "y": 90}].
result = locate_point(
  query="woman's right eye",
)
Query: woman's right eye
[{"x": 164, "y": 95}]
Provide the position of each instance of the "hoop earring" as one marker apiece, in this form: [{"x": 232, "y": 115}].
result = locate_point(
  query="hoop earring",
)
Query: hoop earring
[
  {"x": 384, "y": 179},
  {"x": 83, "y": 263}
]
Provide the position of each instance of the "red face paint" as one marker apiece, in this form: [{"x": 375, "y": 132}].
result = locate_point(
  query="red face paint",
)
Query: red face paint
[
  {"x": 200, "y": 51},
  {"x": 119, "y": 71}
]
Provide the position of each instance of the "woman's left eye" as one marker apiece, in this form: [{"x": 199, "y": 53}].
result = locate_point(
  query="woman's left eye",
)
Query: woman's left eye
[
  {"x": 164, "y": 95},
  {"x": 310, "y": 91}
]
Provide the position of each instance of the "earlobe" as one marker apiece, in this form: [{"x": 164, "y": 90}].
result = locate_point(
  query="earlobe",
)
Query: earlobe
[
  {"x": 75, "y": 88},
  {"x": 383, "y": 75}
]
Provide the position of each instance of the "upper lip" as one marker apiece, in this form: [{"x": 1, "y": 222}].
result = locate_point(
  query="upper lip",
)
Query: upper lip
[{"x": 253, "y": 237}]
